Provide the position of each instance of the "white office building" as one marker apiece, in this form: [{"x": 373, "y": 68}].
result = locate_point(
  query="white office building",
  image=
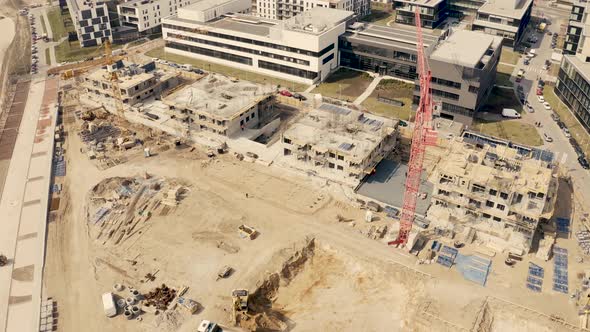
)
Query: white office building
[
  {"x": 302, "y": 49},
  {"x": 145, "y": 15},
  {"x": 91, "y": 21},
  {"x": 283, "y": 9}
]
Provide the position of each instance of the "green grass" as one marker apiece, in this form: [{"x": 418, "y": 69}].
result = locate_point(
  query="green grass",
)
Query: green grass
[
  {"x": 513, "y": 130},
  {"x": 47, "y": 56},
  {"x": 567, "y": 117},
  {"x": 503, "y": 79},
  {"x": 345, "y": 84},
  {"x": 43, "y": 26},
  {"x": 509, "y": 56},
  {"x": 379, "y": 17},
  {"x": 71, "y": 51},
  {"x": 225, "y": 70},
  {"x": 500, "y": 99},
  {"x": 391, "y": 89},
  {"x": 60, "y": 24}
]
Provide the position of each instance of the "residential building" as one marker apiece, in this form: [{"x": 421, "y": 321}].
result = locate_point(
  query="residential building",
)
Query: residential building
[
  {"x": 91, "y": 21},
  {"x": 460, "y": 8},
  {"x": 504, "y": 18},
  {"x": 283, "y": 9},
  {"x": 135, "y": 82},
  {"x": 146, "y": 15},
  {"x": 222, "y": 106},
  {"x": 463, "y": 63},
  {"x": 337, "y": 142},
  {"x": 578, "y": 23},
  {"x": 498, "y": 193},
  {"x": 301, "y": 49},
  {"x": 432, "y": 12},
  {"x": 573, "y": 80}
]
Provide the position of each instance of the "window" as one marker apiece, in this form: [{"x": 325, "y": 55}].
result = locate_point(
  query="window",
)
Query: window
[
  {"x": 448, "y": 83},
  {"x": 86, "y": 14},
  {"x": 473, "y": 89},
  {"x": 286, "y": 152},
  {"x": 340, "y": 168},
  {"x": 500, "y": 207},
  {"x": 328, "y": 58},
  {"x": 210, "y": 53},
  {"x": 287, "y": 70},
  {"x": 332, "y": 155},
  {"x": 340, "y": 157},
  {"x": 99, "y": 11},
  {"x": 487, "y": 216},
  {"x": 493, "y": 192},
  {"x": 331, "y": 165},
  {"x": 497, "y": 219},
  {"x": 504, "y": 195},
  {"x": 489, "y": 204}
]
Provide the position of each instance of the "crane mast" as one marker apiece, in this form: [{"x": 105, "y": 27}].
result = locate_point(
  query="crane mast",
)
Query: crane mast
[
  {"x": 422, "y": 136},
  {"x": 113, "y": 78}
]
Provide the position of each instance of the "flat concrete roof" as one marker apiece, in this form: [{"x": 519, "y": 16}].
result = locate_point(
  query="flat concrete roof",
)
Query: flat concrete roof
[
  {"x": 316, "y": 20},
  {"x": 78, "y": 5},
  {"x": 124, "y": 81},
  {"x": 421, "y": 3},
  {"x": 257, "y": 26},
  {"x": 497, "y": 26},
  {"x": 506, "y": 8},
  {"x": 205, "y": 4},
  {"x": 218, "y": 96},
  {"x": 583, "y": 68},
  {"x": 466, "y": 48},
  {"x": 393, "y": 37},
  {"x": 387, "y": 185}
]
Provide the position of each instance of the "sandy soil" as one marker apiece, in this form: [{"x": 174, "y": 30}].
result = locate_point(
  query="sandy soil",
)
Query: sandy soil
[
  {"x": 7, "y": 28},
  {"x": 352, "y": 283}
]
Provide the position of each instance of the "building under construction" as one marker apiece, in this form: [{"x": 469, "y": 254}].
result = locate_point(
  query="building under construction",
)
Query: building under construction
[
  {"x": 135, "y": 82},
  {"x": 496, "y": 194},
  {"x": 338, "y": 143}
]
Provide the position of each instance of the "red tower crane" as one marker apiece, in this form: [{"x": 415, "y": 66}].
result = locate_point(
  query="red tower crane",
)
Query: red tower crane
[{"x": 423, "y": 136}]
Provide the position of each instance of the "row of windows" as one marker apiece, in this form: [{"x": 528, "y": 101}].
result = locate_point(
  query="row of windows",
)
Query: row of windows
[
  {"x": 440, "y": 93},
  {"x": 444, "y": 82},
  {"x": 240, "y": 49},
  {"x": 251, "y": 41},
  {"x": 287, "y": 70},
  {"x": 396, "y": 69},
  {"x": 379, "y": 51},
  {"x": 211, "y": 53},
  {"x": 328, "y": 58}
]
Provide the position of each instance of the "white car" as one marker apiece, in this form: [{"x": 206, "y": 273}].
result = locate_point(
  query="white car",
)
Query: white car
[
  {"x": 547, "y": 106},
  {"x": 547, "y": 138},
  {"x": 530, "y": 108},
  {"x": 541, "y": 99},
  {"x": 566, "y": 132}
]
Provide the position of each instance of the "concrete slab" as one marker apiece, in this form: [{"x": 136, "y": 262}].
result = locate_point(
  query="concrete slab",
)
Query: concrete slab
[{"x": 387, "y": 185}]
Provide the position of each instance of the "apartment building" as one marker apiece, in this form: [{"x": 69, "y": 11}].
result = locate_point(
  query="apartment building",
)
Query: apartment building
[
  {"x": 283, "y": 9},
  {"x": 573, "y": 80},
  {"x": 91, "y": 21},
  {"x": 432, "y": 12},
  {"x": 222, "y": 106},
  {"x": 500, "y": 192},
  {"x": 136, "y": 82},
  {"x": 336, "y": 142},
  {"x": 504, "y": 18},
  {"x": 463, "y": 63},
  {"x": 146, "y": 15},
  {"x": 303, "y": 48}
]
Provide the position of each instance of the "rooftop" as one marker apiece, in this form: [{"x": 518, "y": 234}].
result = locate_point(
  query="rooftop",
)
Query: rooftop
[
  {"x": 332, "y": 128},
  {"x": 399, "y": 36},
  {"x": 219, "y": 96},
  {"x": 206, "y": 4},
  {"x": 77, "y": 5},
  {"x": 583, "y": 68},
  {"x": 506, "y": 8},
  {"x": 421, "y": 3},
  {"x": 317, "y": 20},
  {"x": 467, "y": 48}
]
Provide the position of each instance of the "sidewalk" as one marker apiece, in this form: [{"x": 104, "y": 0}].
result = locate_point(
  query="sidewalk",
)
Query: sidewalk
[
  {"x": 23, "y": 207},
  {"x": 368, "y": 90}
]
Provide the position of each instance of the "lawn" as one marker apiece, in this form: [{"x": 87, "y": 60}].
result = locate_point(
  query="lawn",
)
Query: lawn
[
  {"x": 43, "y": 24},
  {"x": 567, "y": 117},
  {"x": 500, "y": 99},
  {"x": 68, "y": 51},
  {"x": 512, "y": 130},
  {"x": 379, "y": 17},
  {"x": 225, "y": 70},
  {"x": 60, "y": 24},
  {"x": 47, "y": 56},
  {"x": 509, "y": 56},
  {"x": 391, "y": 89},
  {"x": 503, "y": 79},
  {"x": 345, "y": 84}
]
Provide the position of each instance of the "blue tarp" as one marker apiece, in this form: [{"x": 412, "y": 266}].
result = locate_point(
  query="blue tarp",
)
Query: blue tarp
[
  {"x": 560, "y": 273},
  {"x": 474, "y": 268}
]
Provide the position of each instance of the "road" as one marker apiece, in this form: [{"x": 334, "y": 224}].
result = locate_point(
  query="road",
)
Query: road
[{"x": 560, "y": 145}]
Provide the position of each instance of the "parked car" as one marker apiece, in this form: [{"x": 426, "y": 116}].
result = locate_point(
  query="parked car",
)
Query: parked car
[
  {"x": 583, "y": 162},
  {"x": 547, "y": 106},
  {"x": 285, "y": 93},
  {"x": 549, "y": 33},
  {"x": 541, "y": 99},
  {"x": 530, "y": 108},
  {"x": 555, "y": 117},
  {"x": 547, "y": 138},
  {"x": 566, "y": 132},
  {"x": 299, "y": 96},
  {"x": 526, "y": 62},
  {"x": 539, "y": 92},
  {"x": 560, "y": 124}
]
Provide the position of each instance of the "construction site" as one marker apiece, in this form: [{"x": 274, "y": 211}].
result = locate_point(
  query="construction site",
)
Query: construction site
[{"x": 193, "y": 201}]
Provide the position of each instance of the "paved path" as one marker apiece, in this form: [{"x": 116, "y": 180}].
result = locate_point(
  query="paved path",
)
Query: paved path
[
  {"x": 368, "y": 91},
  {"x": 23, "y": 208}
]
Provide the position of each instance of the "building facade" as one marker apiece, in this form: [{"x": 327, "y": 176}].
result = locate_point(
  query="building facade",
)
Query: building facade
[
  {"x": 283, "y": 9},
  {"x": 501, "y": 192},
  {"x": 301, "y": 49},
  {"x": 432, "y": 13},
  {"x": 463, "y": 63},
  {"x": 504, "y": 18},
  {"x": 91, "y": 22},
  {"x": 146, "y": 15},
  {"x": 578, "y": 24}
]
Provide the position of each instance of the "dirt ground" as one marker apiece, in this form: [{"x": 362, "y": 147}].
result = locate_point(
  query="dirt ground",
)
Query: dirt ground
[{"x": 350, "y": 283}]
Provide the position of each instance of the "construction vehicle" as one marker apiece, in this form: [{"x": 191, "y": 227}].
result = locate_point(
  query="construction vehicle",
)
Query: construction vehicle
[
  {"x": 224, "y": 272},
  {"x": 423, "y": 136},
  {"x": 247, "y": 232},
  {"x": 240, "y": 300},
  {"x": 3, "y": 260},
  {"x": 208, "y": 326}
]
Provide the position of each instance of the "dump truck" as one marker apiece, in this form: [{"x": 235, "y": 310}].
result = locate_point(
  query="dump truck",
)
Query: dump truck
[{"x": 240, "y": 300}]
